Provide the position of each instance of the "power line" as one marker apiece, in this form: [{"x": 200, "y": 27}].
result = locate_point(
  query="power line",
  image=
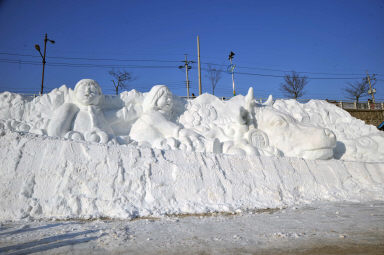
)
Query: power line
[
  {"x": 11, "y": 61},
  {"x": 93, "y": 59},
  {"x": 312, "y": 78},
  {"x": 172, "y": 61},
  {"x": 285, "y": 71},
  {"x": 63, "y": 64}
]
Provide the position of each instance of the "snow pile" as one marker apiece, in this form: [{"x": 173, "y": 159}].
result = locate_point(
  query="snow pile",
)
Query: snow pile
[
  {"x": 44, "y": 177},
  {"x": 81, "y": 154}
]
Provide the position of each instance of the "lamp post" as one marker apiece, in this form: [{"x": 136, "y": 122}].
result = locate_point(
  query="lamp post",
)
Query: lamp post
[
  {"x": 37, "y": 47},
  {"x": 232, "y": 69}
]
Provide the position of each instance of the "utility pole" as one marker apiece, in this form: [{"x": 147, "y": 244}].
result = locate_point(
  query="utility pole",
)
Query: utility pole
[
  {"x": 232, "y": 67},
  {"x": 187, "y": 67},
  {"x": 371, "y": 91},
  {"x": 198, "y": 63},
  {"x": 37, "y": 47}
]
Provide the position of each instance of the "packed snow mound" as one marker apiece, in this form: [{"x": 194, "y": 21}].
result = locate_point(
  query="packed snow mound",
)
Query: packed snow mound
[
  {"x": 158, "y": 119},
  {"x": 56, "y": 178}
]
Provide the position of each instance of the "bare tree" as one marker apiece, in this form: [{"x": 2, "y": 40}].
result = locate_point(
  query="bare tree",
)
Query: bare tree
[
  {"x": 356, "y": 90},
  {"x": 294, "y": 85},
  {"x": 214, "y": 75},
  {"x": 359, "y": 89},
  {"x": 121, "y": 78}
]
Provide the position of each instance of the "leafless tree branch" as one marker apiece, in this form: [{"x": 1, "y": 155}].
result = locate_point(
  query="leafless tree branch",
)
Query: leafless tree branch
[{"x": 293, "y": 86}]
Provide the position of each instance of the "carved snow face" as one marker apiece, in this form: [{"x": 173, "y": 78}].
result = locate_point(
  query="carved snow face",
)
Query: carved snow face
[
  {"x": 294, "y": 138},
  {"x": 164, "y": 103},
  {"x": 88, "y": 92}
]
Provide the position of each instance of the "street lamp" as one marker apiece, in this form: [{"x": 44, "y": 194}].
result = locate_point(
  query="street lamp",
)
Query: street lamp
[{"x": 37, "y": 47}]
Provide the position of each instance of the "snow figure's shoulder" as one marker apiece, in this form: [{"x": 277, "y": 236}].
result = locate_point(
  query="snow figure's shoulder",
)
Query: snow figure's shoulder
[
  {"x": 41, "y": 109},
  {"x": 208, "y": 112},
  {"x": 11, "y": 106},
  {"x": 132, "y": 97}
]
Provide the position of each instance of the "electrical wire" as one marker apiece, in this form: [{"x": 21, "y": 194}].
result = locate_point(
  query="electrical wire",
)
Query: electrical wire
[{"x": 175, "y": 61}]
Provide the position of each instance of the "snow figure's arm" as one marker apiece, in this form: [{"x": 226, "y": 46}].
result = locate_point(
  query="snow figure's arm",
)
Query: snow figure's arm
[
  {"x": 163, "y": 125},
  {"x": 125, "y": 114},
  {"x": 61, "y": 122}
]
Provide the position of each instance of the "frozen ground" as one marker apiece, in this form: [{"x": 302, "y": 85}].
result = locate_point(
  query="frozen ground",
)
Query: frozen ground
[{"x": 319, "y": 228}]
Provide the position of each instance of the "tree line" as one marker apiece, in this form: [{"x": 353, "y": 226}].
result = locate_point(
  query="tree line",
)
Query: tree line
[{"x": 293, "y": 85}]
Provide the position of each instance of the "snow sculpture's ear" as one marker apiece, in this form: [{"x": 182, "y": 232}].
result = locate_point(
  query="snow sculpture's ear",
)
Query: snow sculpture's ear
[
  {"x": 269, "y": 101},
  {"x": 250, "y": 105},
  {"x": 249, "y": 99},
  {"x": 243, "y": 117}
]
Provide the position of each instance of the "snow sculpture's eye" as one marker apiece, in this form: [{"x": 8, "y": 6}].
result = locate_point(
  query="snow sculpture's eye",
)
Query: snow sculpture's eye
[
  {"x": 278, "y": 122},
  {"x": 258, "y": 139}
]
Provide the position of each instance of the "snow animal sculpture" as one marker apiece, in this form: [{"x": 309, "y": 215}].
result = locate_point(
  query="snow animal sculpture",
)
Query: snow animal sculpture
[
  {"x": 255, "y": 129},
  {"x": 293, "y": 138},
  {"x": 84, "y": 118},
  {"x": 155, "y": 128}
]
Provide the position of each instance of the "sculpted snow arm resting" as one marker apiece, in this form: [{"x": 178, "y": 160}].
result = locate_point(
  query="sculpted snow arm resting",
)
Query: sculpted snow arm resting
[
  {"x": 161, "y": 124},
  {"x": 125, "y": 114},
  {"x": 62, "y": 120}
]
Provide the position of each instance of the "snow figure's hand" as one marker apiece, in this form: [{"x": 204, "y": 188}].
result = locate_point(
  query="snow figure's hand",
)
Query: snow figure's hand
[
  {"x": 74, "y": 135},
  {"x": 97, "y": 136},
  {"x": 123, "y": 114},
  {"x": 191, "y": 140}
]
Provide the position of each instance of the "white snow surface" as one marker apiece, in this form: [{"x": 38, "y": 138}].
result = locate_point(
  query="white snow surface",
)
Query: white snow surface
[
  {"x": 80, "y": 154},
  {"x": 43, "y": 177}
]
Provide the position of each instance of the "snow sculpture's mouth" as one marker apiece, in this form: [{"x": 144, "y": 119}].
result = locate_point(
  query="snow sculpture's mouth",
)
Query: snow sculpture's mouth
[{"x": 321, "y": 153}]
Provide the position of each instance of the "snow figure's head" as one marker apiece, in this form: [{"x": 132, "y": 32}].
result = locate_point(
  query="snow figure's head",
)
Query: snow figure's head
[
  {"x": 88, "y": 92},
  {"x": 159, "y": 98},
  {"x": 293, "y": 138}
]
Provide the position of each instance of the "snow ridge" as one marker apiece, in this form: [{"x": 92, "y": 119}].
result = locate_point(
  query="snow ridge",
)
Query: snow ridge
[{"x": 45, "y": 178}]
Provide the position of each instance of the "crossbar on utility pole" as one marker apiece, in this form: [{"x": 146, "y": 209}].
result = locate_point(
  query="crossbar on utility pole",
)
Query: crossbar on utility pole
[
  {"x": 187, "y": 67},
  {"x": 186, "y": 74}
]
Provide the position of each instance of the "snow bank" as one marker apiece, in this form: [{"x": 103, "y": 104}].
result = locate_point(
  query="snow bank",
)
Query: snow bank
[{"x": 43, "y": 177}]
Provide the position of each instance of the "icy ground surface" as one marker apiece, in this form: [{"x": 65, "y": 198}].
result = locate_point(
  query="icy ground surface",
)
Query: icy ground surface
[{"x": 319, "y": 228}]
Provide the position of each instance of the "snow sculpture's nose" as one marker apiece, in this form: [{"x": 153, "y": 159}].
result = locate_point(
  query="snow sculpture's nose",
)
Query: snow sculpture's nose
[{"x": 329, "y": 133}]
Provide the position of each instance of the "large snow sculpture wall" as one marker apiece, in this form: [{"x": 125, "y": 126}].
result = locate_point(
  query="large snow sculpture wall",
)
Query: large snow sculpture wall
[{"x": 206, "y": 124}]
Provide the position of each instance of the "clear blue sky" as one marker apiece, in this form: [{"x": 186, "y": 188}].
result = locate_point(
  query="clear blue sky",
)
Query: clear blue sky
[{"x": 341, "y": 37}]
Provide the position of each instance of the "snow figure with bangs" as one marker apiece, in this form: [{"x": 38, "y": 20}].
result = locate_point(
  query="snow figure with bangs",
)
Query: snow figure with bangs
[
  {"x": 155, "y": 128},
  {"x": 84, "y": 118}
]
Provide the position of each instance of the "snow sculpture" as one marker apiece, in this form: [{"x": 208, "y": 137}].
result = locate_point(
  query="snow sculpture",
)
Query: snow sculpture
[
  {"x": 355, "y": 140},
  {"x": 295, "y": 139},
  {"x": 155, "y": 128},
  {"x": 245, "y": 127},
  {"x": 84, "y": 118},
  {"x": 158, "y": 119}
]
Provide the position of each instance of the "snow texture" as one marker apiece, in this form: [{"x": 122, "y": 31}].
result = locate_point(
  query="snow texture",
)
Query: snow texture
[{"x": 42, "y": 177}]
